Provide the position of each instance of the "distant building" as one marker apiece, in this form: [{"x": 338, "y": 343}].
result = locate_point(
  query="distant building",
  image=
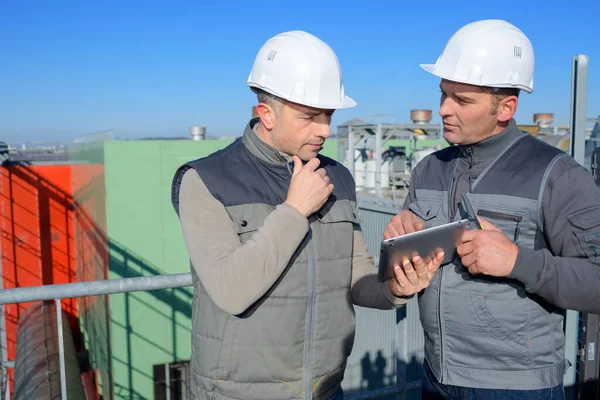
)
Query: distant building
[
  {"x": 38, "y": 152},
  {"x": 342, "y": 129},
  {"x": 3, "y": 152}
]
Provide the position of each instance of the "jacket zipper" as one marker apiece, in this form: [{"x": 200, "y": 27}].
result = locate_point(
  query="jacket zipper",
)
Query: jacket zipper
[
  {"x": 502, "y": 216},
  {"x": 311, "y": 278},
  {"x": 452, "y": 215},
  {"x": 441, "y": 290}
]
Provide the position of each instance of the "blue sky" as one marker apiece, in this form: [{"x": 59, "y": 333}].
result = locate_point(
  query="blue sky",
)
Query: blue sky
[{"x": 155, "y": 68}]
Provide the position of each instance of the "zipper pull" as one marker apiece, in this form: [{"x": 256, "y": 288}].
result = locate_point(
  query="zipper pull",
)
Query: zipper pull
[
  {"x": 471, "y": 215},
  {"x": 470, "y": 154},
  {"x": 471, "y": 179}
]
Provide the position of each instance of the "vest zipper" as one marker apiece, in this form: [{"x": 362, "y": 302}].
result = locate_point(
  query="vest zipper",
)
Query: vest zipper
[{"x": 311, "y": 278}]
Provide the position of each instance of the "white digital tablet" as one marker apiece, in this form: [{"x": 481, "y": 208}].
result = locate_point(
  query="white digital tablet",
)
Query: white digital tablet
[{"x": 425, "y": 243}]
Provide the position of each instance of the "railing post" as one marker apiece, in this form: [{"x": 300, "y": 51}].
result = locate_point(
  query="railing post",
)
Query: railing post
[
  {"x": 5, "y": 384},
  {"x": 579, "y": 81},
  {"x": 378, "y": 159},
  {"x": 350, "y": 160},
  {"x": 61, "y": 351},
  {"x": 401, "y": 353},
  {"x": 168, "y": 380},
  {"x": 3, "y": 342}
]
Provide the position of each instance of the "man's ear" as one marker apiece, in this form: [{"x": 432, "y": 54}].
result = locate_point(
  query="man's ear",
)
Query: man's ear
[
  {"x": 267, "y": 115},
  {"x": 507, "y": 108}
]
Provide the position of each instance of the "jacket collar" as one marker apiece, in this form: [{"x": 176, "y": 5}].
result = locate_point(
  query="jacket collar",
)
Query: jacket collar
[
  {"x": 259, "y": 148},
  {"x": 490, "y": 148}
]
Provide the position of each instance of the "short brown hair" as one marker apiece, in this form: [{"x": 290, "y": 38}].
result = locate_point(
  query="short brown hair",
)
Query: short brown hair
[
  {"x": 499, "y": 94},
  {"x": 270, "y": 99}
]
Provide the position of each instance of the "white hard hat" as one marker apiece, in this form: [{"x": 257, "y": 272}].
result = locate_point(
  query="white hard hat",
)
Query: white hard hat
[
  {"x": 302, "y": 69},
  {"x": 490, "y": 53}
]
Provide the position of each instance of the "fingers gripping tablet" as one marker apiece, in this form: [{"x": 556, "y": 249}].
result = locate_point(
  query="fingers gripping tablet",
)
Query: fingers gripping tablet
[{"x": 425, "y": 243}]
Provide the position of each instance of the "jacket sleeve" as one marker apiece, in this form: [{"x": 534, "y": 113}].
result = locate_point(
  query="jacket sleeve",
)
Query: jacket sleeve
[
  {"x": 567, "y": 274},
  {"x": 366, "y": 290},
  {"x": 235, "y": 275}
]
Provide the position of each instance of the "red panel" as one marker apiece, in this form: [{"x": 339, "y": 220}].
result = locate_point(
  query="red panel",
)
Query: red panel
[{"x": 38, "y": 221}]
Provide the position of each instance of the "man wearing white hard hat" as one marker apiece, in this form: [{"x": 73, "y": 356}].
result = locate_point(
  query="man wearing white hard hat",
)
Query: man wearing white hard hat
[
  {"x": 272, "y": 230},
  {"x": 493, "y": 318}
]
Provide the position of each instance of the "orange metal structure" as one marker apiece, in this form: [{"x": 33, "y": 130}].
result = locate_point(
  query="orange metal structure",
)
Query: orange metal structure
[{"x": 39, "y": 221}]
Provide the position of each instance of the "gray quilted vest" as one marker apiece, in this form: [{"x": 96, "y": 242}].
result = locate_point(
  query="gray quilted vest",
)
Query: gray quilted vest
[
  {"x": 483, "y": 331},
  {"x": 293, "y": 342}
]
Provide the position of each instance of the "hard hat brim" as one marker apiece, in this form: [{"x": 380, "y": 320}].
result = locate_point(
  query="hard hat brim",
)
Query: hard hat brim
[
  {"x": 429, "y": 68},
  {"x": 348, "y": 103}
]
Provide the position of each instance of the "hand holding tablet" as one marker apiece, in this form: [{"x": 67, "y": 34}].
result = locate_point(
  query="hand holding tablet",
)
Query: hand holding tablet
[{"x": 425, "y": 243}]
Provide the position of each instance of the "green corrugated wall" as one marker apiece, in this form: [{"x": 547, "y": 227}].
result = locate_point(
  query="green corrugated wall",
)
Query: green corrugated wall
[{"x": 145, "y": 239}]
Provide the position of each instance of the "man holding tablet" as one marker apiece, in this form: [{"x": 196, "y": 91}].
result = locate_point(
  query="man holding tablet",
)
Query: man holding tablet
[
  {"x": 493, "y": 317},
  {"x": 272, "y": 230}
]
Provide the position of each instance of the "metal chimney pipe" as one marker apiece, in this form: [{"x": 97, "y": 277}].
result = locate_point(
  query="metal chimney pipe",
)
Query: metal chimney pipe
[{"x": 198, "y": 132}]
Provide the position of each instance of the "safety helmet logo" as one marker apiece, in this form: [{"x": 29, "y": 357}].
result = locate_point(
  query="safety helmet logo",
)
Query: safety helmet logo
[{"x": 518, "y": 51}]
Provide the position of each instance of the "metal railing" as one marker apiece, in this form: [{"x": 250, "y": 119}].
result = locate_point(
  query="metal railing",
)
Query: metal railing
[
  {"x": 94, "y": 288},
  {"x": 58, "y": 292},
  {"x": 85, "y": 289}
]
